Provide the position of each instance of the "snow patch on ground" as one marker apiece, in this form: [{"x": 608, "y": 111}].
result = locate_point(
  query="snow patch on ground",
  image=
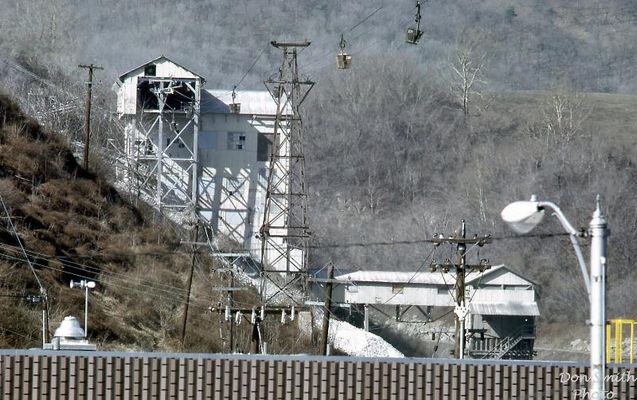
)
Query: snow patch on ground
[{"x": 358, "y": 342}]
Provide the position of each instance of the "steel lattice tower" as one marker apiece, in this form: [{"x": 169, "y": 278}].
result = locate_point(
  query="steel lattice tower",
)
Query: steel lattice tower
[{"x": 285, "y": 233}]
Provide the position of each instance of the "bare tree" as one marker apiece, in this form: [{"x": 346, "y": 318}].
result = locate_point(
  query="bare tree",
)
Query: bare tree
[
  {"x": 561, "y": 118},
  {"x": 467, "y": 77}
]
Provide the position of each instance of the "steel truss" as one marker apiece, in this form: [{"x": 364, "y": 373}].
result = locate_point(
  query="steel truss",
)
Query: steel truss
[
  {"x": 164, "y": 158},
  {"x": 284, "y": 233}
]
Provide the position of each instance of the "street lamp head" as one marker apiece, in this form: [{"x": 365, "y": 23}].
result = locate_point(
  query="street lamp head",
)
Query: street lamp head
[
  {"x": 83, "y": 284},
  {"x": 523, "y": 216}
]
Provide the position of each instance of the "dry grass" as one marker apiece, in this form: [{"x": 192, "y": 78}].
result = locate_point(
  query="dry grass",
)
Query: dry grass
[{"x": 78, "y": 226}]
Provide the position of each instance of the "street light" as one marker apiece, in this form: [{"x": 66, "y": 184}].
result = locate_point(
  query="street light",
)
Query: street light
[
  {"x": 86, "y": 285},
  {"x": 522, "y": 217}
]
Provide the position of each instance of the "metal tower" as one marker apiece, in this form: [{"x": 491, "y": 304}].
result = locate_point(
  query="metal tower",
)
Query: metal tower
[
  {"x": 162, "y": 140},
  {"x": 285, "y": 234}
]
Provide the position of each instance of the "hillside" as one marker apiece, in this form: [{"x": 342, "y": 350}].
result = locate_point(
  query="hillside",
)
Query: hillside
[
  {"x": 75, "y": 225},
  {"x": 587, "y": 44},
  {"x": 398, "y": 160}
]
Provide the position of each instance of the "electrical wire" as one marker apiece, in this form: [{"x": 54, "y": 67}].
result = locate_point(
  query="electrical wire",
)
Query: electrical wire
[
  {"x": 413, "y": 276},
  {"x": 320, "y": 64},
  {"x": 319, "y": 60},
  {"x": 15, "y": 234},
  {"x": 365, "y": 19},
  {"x": 250, "y": 69},
  {"x": 161, "y": 291},
  {"x": 90, "y": 270}
]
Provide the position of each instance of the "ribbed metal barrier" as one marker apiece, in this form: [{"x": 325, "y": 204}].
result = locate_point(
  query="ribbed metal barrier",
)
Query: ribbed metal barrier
[{"x": 101, "y": 375}]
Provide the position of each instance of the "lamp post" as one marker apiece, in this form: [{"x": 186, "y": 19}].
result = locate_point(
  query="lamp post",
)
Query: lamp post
[
  {"x": 522, "y": 217},
  {"x": 86, "y": 285}
]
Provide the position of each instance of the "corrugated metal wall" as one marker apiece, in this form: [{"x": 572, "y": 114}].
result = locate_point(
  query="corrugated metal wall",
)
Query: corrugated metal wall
[{"x": 39, "y": 374}]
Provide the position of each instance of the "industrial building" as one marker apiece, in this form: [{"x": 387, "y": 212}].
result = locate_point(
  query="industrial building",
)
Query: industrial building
[
  {"x": 192, "y": 150},
  {"x": 502, "y": 304}
]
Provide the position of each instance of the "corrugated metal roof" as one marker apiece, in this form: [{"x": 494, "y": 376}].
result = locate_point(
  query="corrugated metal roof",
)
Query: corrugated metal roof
[
  {"x": 422, "y": 277},
  {"x": 493, "y": 270},
  {"x": 253, "y": 102},
  {"x": 505, "y": 309}
]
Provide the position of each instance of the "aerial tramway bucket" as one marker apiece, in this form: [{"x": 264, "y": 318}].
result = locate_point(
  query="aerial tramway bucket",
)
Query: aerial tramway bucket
[
  {"x": 235, "y": 108},
  {"x": 343, "y": 59},
  {"x": 414, "y": 34}
]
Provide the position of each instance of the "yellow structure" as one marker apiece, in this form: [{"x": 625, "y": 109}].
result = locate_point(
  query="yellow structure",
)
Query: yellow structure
[{"x": 615, "y": 340}]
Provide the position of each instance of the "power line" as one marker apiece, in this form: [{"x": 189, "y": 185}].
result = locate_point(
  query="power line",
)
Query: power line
[
  {"x": 414, "y": 274},
  {"x": 15, "y": 234},
  {"x": 365, "y": 19},
  {"x": 251, "y": 66},
  {"x": 313, "y": 65},
  {"x": 169, "y": 296},
  {"x": 171, "y": 292},
  {"x": 320, "y": 64}
]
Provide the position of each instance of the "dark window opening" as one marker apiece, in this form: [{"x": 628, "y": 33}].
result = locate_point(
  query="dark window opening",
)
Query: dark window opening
[
  {"x": 150, "y": 70},
  {"x": 264, "y": 147},
  {"x": 397, "y": 288},
  {"x": 179, "y": 97}
]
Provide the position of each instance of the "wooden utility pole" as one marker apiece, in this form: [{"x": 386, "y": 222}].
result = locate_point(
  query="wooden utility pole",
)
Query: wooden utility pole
[
  {"x": 87, "y": 115},
  {"x": 460, "y": 268},
  {"x": 328, "y": 306},
  {"x": 187, "y": 303},
  {"x": 230, "y": 304},
  {"x": 461, "y": 307}
]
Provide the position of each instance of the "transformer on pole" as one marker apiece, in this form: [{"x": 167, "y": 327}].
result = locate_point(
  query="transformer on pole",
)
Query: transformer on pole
[{"x": 285, "y": 233}]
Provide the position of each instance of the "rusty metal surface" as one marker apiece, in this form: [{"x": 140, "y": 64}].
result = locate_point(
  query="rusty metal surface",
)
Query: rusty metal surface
[{"x": 101, "y": 375}]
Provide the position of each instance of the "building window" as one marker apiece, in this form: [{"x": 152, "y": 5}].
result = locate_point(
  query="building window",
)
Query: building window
[
  {"x": 236, "y": 141},
  {"x": 150, "y": 70},
  {"x": 397, "y": 288}
]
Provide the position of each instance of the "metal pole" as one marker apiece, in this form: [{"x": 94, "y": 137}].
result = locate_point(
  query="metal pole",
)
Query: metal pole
[
  {"x": 599, "y": 233},
  {"x": 160, "y": 144},
  {"x": 43, "y": 328},
  {"x": 366, "y": 318},
  {"x": 85, "y": 309},
  {"x": 231, "y": 322}
]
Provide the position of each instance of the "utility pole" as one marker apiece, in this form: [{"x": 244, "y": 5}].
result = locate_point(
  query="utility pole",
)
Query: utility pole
[
  {"x": 187, "y": 303},
  {"x": 230, "y": 304},
  {"x": 461, "y": 268},
  {"x": 87, "y": 115},
  {"x": 328, "y": 307},
  {"x": 228, "y": 313}
]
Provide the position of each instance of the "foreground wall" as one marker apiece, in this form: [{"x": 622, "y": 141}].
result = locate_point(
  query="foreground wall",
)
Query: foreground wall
[{"x": 102, "y": 375}]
